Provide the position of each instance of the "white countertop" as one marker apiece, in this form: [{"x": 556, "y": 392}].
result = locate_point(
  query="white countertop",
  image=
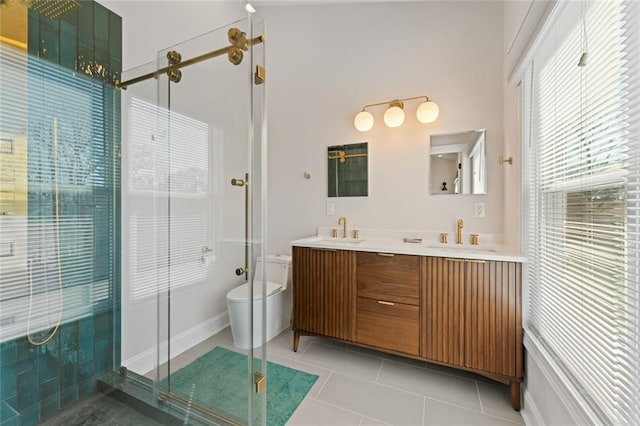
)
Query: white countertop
[{"x": 426, "y": 247}]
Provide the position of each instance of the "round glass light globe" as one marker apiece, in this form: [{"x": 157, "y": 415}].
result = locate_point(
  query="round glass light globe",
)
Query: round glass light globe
[
  {"x": 428, "y": 112},
  {"x": 363, "y": 121},
  {"x": 394, "y": 116}
]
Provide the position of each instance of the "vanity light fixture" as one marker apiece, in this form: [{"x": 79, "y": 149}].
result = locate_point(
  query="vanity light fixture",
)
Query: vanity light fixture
[{"x": 427, "y": 112}]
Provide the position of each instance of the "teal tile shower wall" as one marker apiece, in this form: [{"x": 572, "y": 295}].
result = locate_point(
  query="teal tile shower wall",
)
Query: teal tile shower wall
[{"x": 37, "y": 381}]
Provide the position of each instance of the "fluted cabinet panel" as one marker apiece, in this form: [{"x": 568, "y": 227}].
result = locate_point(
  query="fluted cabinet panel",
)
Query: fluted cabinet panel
[
  {"x": 323, "y": 291},
  {"x": 473, "y": 314},
  {"x": 493, "y": 318},
  {"x": 443, "y": 320}
]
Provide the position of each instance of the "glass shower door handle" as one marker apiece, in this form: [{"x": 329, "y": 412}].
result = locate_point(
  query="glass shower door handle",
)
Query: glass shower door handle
[{"x": 244, "y": 183}]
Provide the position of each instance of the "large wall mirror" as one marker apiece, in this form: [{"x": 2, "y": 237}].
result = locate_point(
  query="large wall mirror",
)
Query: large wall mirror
[
  {"x": 458, "y": 163},
  {"x": 348, "y": 170}
]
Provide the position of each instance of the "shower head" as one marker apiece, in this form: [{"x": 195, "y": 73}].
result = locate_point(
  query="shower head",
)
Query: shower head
[{"x": 52, "y": 9}]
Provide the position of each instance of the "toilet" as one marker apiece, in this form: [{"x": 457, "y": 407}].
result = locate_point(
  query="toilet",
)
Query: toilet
[{"x": 278, "y": 274}]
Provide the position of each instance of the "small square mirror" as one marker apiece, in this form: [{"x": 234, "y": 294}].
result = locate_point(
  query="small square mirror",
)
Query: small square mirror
[
  {"x": 458, "y": 163},
  {"x": 348, "y": 170}
]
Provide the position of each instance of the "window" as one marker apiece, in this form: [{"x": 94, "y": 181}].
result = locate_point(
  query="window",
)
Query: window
[
  {"x": 583, "y": 207},
  {"x": 58, "y": 184},
  {"x": 168, "y": 199}
]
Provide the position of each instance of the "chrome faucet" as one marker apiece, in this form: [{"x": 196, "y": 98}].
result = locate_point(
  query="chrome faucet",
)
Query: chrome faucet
[
  {"x": 343, "y": 221},
  {"x": 459, "y": 232}
]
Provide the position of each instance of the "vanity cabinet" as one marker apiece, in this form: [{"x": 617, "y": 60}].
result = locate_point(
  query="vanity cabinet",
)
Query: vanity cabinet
[
  {"x": 323, "y": 292},
  {"x": 388, "y": 301},
  {"x": 463, "y": 313}
]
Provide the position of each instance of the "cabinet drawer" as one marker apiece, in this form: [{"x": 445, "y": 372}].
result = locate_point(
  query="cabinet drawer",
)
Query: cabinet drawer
[
  {"x": 388, "y": 325},
  {"x": 394, "y": 278}
]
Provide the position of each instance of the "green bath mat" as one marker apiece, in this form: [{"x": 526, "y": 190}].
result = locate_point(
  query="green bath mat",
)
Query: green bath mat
[{"x": 219, "y": 380}]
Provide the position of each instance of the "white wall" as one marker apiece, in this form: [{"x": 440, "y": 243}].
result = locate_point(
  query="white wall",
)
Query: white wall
[
  {"x": 149, "y": 26},
  {"x": 325, "y": 62}
]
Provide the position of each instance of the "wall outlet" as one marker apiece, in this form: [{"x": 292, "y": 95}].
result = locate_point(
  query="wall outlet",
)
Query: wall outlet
[
  {"x": 331, "y": 209},
  {"x": 478, "y": 209}
]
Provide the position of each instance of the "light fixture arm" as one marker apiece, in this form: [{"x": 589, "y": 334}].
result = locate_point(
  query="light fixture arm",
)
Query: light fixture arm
[{"x": 396, "y": 102}]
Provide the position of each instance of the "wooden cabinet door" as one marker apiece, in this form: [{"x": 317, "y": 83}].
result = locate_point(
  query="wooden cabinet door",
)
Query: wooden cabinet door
[
  {"x": 493, "y": 317},
  {"x": 324, "y": 292},
  {"x": 442, "y": 317}
]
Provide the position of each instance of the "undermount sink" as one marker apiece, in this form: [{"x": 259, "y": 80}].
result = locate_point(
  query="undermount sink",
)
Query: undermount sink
[{"x": 462, "y": 248}]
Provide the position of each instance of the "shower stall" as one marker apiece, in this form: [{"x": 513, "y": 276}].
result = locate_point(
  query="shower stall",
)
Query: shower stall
[
  {"x": 131, "y": 203},
  {"x": 193, "y": 194}
]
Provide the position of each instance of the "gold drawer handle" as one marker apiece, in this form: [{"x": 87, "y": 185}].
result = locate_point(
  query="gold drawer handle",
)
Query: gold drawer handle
[
  {"x": 386, "y": 254},
  {"x": 451, "y": 259},
  {"x": 382, "y": 302},
  {"x": 324, "y": 249}
]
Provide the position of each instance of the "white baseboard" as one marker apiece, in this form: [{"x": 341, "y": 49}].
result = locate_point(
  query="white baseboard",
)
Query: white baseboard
[
  {"x": 144, "y": 362},
  {"x": 556, "y": 381},
  {"x": 530, "y": 413}
]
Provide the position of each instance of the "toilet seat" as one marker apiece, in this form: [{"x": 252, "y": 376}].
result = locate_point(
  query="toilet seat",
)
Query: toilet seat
[{"x": 241, "y": 293}]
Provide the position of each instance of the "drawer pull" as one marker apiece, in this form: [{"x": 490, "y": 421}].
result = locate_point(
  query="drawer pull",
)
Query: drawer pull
[
  {"x": 451, "y": 259},
  {"x": 324, "y": 249},
  {"x": 386, "y": 254},
  {"x": 383, "y": 302}
]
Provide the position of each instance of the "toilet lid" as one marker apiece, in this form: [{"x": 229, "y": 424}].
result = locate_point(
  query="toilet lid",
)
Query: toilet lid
[{"x": 241, "y": 293}]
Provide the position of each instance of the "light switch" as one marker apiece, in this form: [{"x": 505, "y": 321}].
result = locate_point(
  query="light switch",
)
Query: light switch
[{"x": 331, "y": 208}]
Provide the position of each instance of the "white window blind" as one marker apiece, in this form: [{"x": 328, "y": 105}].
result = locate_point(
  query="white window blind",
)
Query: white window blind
[
  {"x": 169, "y": 200},
  {"x": 56, "y": 195},
  {"x": 583, "y": 204}
]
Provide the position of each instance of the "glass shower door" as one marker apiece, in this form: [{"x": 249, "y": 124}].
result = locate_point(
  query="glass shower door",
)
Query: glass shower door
[{"x": 210, "y": 221}]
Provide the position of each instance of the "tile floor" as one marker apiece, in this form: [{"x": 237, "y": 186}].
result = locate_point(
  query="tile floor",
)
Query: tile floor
[
  {"x": 99, "y": 410},
  {"x": 357, "y": 386}
]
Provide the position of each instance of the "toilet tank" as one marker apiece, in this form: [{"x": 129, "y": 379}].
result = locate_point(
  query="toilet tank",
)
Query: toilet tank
[{"x": 278, "y": 269}]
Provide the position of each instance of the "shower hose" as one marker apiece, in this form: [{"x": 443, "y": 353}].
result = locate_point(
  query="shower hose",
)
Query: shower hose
[{"x": 56, "y": 196}]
